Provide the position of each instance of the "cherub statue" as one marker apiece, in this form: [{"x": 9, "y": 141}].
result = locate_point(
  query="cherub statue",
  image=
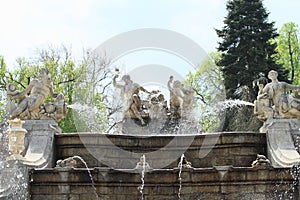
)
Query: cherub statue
[
  {"x": 158, "y": 106},
  {"x": 176, "y": 97},
  {"x": 181, "y": 99}
]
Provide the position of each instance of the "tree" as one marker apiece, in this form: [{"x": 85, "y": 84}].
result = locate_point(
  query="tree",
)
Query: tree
[
  {"x": 96, "y": 92},
  {"x": 2, "y": 86},
  {"x": 288, "y": 50},
  {"x": 246, "y": 52}
]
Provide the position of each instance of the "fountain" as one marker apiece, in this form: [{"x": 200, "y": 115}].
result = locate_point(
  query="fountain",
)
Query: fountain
[{"x": 158, "y": 146}]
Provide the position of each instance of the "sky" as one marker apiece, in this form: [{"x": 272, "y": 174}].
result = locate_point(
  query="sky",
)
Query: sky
[{"x": 85, "y": 24}]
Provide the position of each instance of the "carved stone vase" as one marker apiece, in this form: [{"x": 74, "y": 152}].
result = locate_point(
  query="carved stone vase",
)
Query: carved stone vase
[{"x": 16, "y": 137}]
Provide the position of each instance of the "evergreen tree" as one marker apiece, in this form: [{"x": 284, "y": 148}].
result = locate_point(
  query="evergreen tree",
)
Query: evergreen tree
[{"x": 246, "y": 52}]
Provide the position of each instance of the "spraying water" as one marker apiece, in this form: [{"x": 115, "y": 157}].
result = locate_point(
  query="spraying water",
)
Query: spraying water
[
  {"x": 231, "y": 103},
  {"x": 93, "y": 118}
]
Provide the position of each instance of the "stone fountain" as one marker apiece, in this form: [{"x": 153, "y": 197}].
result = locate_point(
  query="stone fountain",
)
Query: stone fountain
[{"x": 174, "y": 161}]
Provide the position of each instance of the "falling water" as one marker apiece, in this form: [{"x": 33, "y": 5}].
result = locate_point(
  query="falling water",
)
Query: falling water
[
  {"x": 90, "y": 174},
  {"x": 141, "y": 188},
  {"x": 179, "y": 175},
  {"x": 13, "y": 175},
  {"x": 4, "y": 152}
]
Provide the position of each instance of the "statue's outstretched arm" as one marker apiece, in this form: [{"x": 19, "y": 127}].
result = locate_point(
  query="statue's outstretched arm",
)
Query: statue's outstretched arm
[
  {"x": 27, "y": 90},
  {"x": 52, "y": 93},
  {"x": 169, "y": 84},
  {"x": 115, "y": 84},
  {"x": 292, "y": 87}
]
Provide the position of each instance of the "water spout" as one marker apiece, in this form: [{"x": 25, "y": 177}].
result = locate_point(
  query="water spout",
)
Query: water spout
[{"x": 222, "y": 170}]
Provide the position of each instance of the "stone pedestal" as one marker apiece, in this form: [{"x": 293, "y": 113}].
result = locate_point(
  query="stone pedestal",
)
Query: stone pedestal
[
  {"x": 40, "y": 143},
  {"x": 281, "y": 148},
  {"x": 38, "y": 153}
]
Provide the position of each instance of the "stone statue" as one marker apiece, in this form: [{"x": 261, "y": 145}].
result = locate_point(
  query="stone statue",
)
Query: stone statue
[
  {"x": 152, "y": 112},
  {"x": 181, "y": 99},
  {"x": 262, "y": 106},
  {"x": 273, "y": 101},
  {"x": 133, "y": 107},
  {"x": 176, "y": 97},
  {"x": 158, "y": 105},
  {"x": 188, "y": 101},
  {"x": 29, "y": 103}
]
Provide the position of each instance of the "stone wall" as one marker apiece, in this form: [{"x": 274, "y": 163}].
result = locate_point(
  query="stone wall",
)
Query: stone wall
[
  {"x": 205, "y": 184},
  {"x": 204, "y": 150},
  {"x": 221, "y": 169}
]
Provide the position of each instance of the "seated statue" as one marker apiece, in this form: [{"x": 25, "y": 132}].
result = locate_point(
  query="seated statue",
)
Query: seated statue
[
  {"x": 29, "y": 103},
  {"x": 273, "y": 101}
]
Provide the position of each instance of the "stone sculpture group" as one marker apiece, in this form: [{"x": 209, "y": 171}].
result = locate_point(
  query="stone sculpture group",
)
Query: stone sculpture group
[
  {"x": 155, "y": 106},
  {"x": 30, "y": 103},
  {"x": 274, "y": 101}
]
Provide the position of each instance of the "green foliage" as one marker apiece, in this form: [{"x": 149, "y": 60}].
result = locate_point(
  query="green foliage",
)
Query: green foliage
[
  {"x": 2, "y": 87},
  {"x": 288, "y": 50},
  {"x": 208, "y": 84}
]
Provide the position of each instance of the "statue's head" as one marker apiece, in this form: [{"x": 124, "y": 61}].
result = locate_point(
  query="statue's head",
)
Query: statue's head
[
  {"x": 11, "y": 87},
  {"x": 272, "y": 74},
  {"x": 126, "y": 78},
  {"x": 177, "y": 84},
  {"x": 44, "y": 75},
  {"x": 44, "y": 71}
]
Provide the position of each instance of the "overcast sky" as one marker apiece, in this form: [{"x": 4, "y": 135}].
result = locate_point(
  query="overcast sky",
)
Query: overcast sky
[{"x": 85, "y": 24}]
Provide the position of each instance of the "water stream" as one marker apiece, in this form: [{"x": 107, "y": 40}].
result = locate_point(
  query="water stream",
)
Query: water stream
[
  {"x": 179, "y": 175},
  {"x": 141, "y": 187},
  {"x": 90, "y": 175}
]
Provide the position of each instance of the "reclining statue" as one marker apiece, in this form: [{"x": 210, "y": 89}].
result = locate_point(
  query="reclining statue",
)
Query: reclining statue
[
  {"x": 273, "y": 101},
  {"x": 29, "y": 103}
]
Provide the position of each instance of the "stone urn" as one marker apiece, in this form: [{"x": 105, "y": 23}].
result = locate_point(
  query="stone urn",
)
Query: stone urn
[{"x": 16, "y": 137}]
